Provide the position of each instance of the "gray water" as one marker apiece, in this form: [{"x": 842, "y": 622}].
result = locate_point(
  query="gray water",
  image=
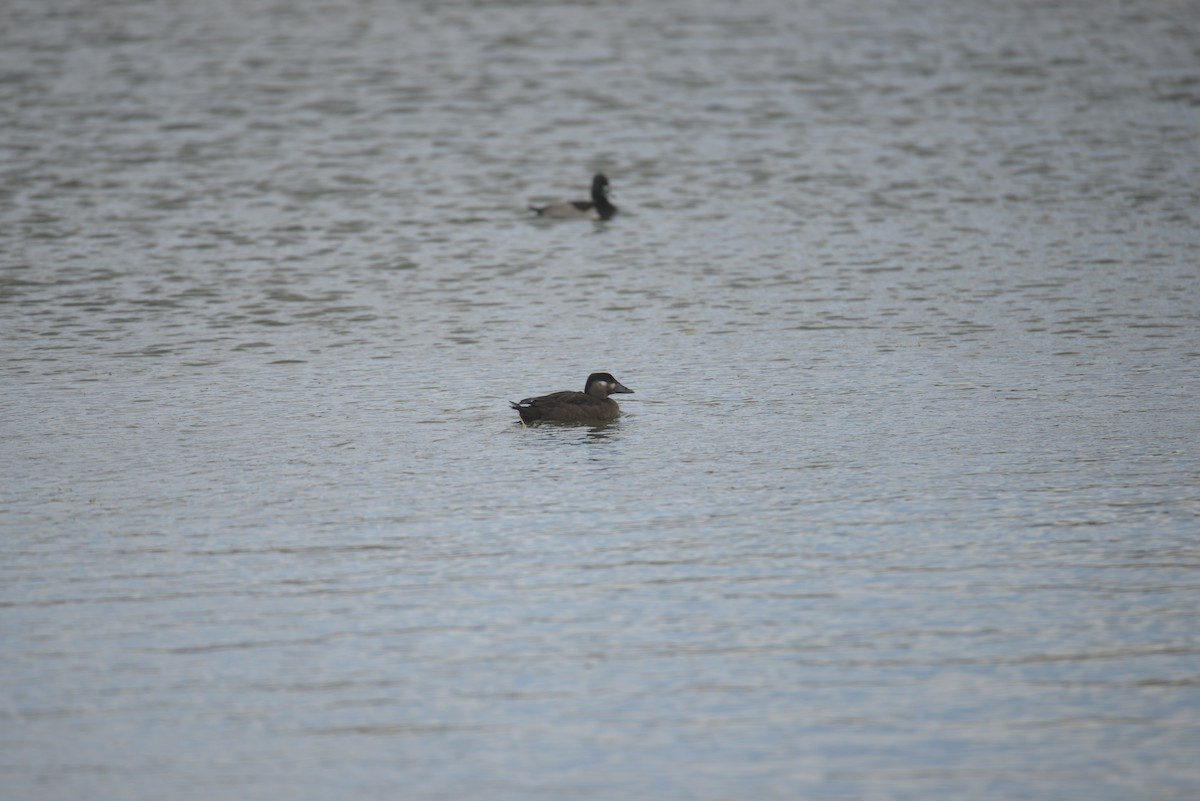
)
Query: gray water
[{"x": 905, "y": 504}]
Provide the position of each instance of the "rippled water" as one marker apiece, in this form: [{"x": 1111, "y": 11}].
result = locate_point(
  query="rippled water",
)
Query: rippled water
[{"x": 905, "y": 504}]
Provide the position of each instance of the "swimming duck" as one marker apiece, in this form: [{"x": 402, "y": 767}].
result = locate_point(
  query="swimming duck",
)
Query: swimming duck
[
  {"x": 597, "y": 209},
  {"x": 591, "y": 405}
]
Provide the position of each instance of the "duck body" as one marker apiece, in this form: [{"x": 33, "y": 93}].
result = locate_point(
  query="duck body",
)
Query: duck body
[
  {"x": 590, "y": 406},
  {"x": 598, "y": 208}
]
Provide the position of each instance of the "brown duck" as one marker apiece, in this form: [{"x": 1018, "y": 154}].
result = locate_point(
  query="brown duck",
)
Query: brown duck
[{"x": 590, "y": 406}]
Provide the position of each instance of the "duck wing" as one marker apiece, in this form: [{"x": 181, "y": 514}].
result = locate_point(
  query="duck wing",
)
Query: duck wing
[
  {"x": 557, "y": 398},
  {"x": 575, "y": 208}
]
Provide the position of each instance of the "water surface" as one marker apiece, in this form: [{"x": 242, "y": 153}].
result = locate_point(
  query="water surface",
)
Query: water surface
[{"x": 904, "y": 504}]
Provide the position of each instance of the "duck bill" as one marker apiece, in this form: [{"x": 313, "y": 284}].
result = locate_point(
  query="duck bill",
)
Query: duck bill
[{"x": 622, "y": 389}]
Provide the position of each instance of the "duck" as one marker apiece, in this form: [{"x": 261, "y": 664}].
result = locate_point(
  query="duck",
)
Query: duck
[
  {"x": 598, "y": 208},
  {"x": 590, "y": 406}
]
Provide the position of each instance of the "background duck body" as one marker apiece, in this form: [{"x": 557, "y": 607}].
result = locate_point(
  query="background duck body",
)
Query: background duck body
[
  {"x": 591, "y": 405},
  {"x": 598, "y": 208}
]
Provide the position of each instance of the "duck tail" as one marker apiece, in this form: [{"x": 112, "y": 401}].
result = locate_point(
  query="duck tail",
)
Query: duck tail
[{"x": 528, "y": 413}]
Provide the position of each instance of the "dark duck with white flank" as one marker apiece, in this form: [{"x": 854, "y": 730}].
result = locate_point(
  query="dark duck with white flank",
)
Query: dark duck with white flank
[
  {"x": 590, "y": 406},
  {"x": 598, "y": 208}
]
